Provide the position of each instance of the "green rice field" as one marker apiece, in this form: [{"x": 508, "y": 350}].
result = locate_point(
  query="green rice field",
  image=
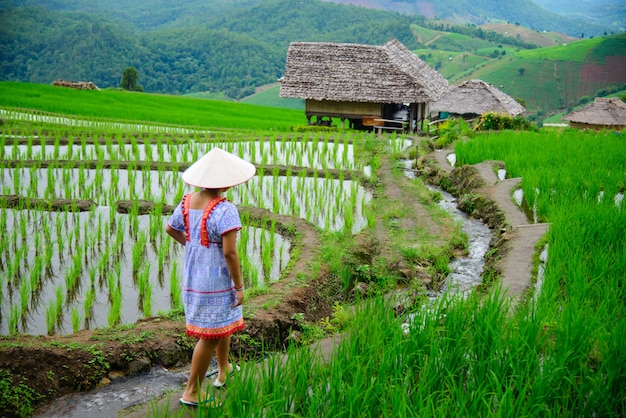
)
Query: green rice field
[{"x": 559, "y": 351}]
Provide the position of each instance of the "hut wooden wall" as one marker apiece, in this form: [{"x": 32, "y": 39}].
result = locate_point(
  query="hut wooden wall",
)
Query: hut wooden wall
[{"x": 342, "y": 109}]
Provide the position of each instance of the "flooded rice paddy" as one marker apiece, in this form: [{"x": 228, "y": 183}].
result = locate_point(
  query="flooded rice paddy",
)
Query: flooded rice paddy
[{"x": 66, "y": 271}]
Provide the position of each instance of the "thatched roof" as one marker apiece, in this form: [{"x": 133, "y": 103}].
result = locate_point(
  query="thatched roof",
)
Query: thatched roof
[
  {"x": 476, "y": 97},
  {"x": 359, "y": 73},
  {"x": 603, "y": 111}
]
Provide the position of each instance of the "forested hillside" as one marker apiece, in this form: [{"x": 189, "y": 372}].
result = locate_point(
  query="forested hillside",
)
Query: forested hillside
[
  {"x": 524, "y": 12},
  {"x": 179, "y": 48}
]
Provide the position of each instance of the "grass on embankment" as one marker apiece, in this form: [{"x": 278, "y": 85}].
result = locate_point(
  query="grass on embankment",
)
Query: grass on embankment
[{"x": 132, "y": 106}]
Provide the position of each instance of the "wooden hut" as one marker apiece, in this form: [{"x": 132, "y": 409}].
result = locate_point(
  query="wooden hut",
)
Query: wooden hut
[
  {"x": 474, "y": 98},
  {"x": 367, "y": 85},
  {"x": 602, "y": 113}
]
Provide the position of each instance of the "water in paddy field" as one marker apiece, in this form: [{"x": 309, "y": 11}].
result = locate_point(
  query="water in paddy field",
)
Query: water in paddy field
[
  {"x": 294, "y": 195},
  {"x": 298, "y": 153},
  {"x": 59, "y": 260}
]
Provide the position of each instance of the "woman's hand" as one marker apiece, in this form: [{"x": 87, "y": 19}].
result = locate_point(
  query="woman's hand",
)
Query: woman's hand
[{"x": 240, "y": 298}]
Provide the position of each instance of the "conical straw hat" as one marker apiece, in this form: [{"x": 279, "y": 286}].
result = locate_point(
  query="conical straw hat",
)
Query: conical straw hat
[{"x": 218, "y": 169}]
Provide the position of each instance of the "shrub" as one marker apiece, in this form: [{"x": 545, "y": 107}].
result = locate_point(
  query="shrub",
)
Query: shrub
[
  {"x": 450, "y": 131},
  {"x": 495, "y": 121}
]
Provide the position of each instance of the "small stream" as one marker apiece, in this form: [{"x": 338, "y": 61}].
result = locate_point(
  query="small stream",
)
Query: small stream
[
  {"x": 465, "y": 272},
  {"x": 120, "y": 394},
  {"x": 138, "y": 389}
]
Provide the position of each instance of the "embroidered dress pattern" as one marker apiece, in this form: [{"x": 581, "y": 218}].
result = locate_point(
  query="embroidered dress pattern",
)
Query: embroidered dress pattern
[{"x": 208, "y": 290}]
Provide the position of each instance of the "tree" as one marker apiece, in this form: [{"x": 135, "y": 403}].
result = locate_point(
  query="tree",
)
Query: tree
[
  {"x": 521, "y": 70},
  {"x": 130, "y": 76}
]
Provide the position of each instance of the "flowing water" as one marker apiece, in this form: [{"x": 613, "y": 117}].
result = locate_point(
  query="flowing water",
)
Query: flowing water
[
  {"x": 120, "y": 394},
  {"x": 465, "y": 272}
]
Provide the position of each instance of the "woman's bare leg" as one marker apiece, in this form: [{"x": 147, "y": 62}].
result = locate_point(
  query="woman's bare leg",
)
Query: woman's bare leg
[
  {"x": 200, "y": 360},
  {"x": 223, "y": 365}
]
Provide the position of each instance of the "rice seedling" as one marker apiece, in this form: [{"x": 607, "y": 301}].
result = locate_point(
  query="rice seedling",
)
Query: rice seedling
[
  {"x": 35, "y": 273},
  {"x": 114, "y": 316},
  {"x": 76, "y": 320},
  {"x": 25, "y": 295},
  {"x": 249, "y": 272},
  {"x": 90, "y": 298},
  {"x": 267, "y": 251},
  {"x": 138, "y": 251},
  {"x": 175, "y": 288},
  {"x": 145, "y": 291}
]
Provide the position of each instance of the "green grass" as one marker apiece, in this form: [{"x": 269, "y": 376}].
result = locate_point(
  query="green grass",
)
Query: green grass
[
  {"x": 544, "y": 84},
  {"x": 461, "y": 62},
  {"x": 270, "y": 97},
  {"x": 424, "y": 35},
  {"x": 130, "y": 106},
  {"x": 613, "y": 46},
  {"x": 209, "y": 96},
  {"x": 574, "y": 51}
]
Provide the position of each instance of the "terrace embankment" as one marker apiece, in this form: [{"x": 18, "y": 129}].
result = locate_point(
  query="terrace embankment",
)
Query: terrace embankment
[{"x": 89, "y": 358}]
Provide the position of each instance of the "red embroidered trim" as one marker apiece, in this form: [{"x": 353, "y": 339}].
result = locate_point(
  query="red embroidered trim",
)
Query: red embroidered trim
[
  {"x": 204, "y": 234},
  {"x": 210, "y": 334},
  {"x": 186, "y": 199}
]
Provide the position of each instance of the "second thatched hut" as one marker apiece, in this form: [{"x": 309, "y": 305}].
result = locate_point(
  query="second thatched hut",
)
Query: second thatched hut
[
  {"x": 474, "y": 98},
  {"x": 602, "y": 113}
]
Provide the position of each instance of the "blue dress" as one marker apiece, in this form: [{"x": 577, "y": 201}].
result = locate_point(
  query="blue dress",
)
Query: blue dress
[{"x": 208, "y": 289}]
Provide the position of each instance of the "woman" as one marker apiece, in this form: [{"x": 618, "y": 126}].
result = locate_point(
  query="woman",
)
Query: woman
[{"x": 207, "y": 224}]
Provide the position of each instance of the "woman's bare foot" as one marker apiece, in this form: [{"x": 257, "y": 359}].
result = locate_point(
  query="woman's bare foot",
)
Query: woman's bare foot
[{"x": 222, "y": 376}]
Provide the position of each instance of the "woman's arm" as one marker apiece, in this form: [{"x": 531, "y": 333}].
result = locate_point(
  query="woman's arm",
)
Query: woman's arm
[
  {"x": 229, "y": 246},
  {"x": 177, "y": 235}
]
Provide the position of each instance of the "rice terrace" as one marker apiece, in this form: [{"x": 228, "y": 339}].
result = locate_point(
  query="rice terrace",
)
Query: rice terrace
[{"x": 338, "y": 242}]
